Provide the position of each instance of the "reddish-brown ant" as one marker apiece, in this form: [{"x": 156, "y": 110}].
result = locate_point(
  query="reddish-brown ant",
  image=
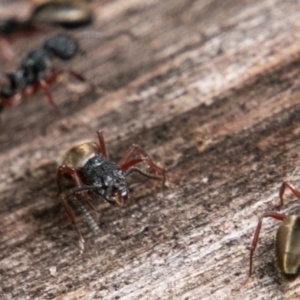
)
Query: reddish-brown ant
[
  {"x": 87, "y": 166},
  {"x": 287, "y": 238},
  {"x": 36, "y": 70}
]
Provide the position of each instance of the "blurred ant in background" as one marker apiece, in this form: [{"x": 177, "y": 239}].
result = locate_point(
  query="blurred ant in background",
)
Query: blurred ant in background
[
  {"x": 36, "y": 71},
  {"x": 68, "y": 14}
]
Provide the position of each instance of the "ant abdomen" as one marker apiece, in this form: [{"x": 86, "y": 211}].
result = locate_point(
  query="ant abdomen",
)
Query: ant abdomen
[{"x": 62, "y": 46}]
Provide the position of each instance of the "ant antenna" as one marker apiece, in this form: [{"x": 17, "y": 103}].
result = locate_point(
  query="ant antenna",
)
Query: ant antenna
[{"x": 89, "y": 219}]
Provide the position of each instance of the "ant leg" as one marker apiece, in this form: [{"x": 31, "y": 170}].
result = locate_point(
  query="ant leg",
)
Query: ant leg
[
  {"x": 37, "y": 85},
  {"x": 32, "y": 90},
  {"x": 88, "y": 200},
  {"x": 44, "y": 85},
  {"x": 90, "y": 204},
  {"x": 72, "y": 220},
  {"x": 13, "y": 101},
  {"x": 127, "y": 156},
  {"x": 57, "y": 72},
  {"x": 54, "y": 74},
  {"x": 63, "y": 169},
  {"x": 283, "y": 187},
  {"x": 254, "y": 243},
  {"x": 89, "y": 188},
  {"x": 76, "y": 75},
  {"x": 133, "y": 169},
  {"x": 101, "y": 143},
  {"x": 127, "y": 162}
]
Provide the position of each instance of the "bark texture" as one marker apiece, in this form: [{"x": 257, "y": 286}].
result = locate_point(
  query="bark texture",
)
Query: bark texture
[{"x": 210, "y": 89}]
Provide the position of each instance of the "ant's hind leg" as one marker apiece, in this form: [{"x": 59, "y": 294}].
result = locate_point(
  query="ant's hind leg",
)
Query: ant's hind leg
[
  {"x": 72, "y": 220},
  {"x": 283, "y": 187},
  {"x": 254, "y": 243},
  {"x": 63, "y": 169}
]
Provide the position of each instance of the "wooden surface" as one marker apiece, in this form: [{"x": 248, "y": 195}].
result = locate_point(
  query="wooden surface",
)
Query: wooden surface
[{"x": 211, "y": 90}]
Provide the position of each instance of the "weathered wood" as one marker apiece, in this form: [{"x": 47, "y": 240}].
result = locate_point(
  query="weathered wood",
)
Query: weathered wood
[{"x": 211, "y": 90}]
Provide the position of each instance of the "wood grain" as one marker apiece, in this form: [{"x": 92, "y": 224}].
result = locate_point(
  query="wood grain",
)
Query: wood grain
[{"x": 210, "y": 89}]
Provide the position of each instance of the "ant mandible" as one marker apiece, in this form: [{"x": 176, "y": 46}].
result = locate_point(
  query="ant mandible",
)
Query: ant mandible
[
  {"x": 88, "y": 167},
  {"x": 36, "y": 70},
  {"x": 287, "y": 238}
]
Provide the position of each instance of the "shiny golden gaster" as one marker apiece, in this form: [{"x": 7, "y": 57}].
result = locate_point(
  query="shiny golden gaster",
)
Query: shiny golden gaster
[
  {"x": 287, "y": 238},
  {"x": 65, "y": 13}
]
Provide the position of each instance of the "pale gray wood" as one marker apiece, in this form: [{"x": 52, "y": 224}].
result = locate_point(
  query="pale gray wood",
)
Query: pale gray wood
[{"x": 211, "y": 90}]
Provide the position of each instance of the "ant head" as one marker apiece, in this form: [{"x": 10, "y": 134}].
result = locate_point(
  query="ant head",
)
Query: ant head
[{"x": 109, "y": 181}]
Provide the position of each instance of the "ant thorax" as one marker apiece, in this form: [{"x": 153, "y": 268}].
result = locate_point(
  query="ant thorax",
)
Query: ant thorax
[
  {"x": 107, "y": 175},
  {"x": 35, "y": 65}
]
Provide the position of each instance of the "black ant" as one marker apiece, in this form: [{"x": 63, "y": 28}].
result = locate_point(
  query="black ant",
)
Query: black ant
[
  {"x": 36, "y": 70},
  {"x": 63, "y": 13},
  {"x": 66, "y": 14},
  {"x": 87, "y": 166},
  {"x": 287, "y": 238}
]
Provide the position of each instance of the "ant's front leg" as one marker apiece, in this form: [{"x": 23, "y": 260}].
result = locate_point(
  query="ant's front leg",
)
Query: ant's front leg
[
  {"x": 137, "y": 170},
  {"x": 57, "y": 72},
  {"x": 102, "y": 143},
  {"x": 45, "y": 87},
  {"x": 128, "y": 162},
  {"x": 283, "y": 187}
]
